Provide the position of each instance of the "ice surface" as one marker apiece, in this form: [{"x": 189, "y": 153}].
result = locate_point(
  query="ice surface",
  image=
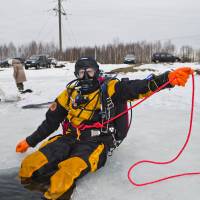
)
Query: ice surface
[{"x": 158, "y": 131}]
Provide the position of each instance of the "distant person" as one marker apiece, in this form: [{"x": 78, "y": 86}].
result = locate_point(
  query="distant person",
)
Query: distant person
[{"x": 18, "y": 74}]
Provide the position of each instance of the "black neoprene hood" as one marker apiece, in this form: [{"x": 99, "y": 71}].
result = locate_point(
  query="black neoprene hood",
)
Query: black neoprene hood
[{"x": 86, "y": 62}]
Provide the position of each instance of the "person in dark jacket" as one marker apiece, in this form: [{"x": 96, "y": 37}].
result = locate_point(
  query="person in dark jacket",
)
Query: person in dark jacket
[{"x": 82, "y": 108}]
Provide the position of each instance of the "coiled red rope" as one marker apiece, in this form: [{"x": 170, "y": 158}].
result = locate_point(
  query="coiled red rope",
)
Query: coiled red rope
[{"x": 173, "y": 159}]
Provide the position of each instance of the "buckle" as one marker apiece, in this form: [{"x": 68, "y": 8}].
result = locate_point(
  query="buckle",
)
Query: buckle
[
  {"x": 95, "y": 132},
  {"x": 109, "y": 103},
  {"x": 103, "y": 114}
]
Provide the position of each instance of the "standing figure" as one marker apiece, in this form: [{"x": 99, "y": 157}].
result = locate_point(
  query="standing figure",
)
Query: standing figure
[{"x": 18, "y": 73}]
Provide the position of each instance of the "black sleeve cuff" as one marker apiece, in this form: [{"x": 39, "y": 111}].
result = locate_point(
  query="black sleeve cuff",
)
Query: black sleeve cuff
[
  {"x": 159, "y": 80},
  {"x": 33, "y": 142}
]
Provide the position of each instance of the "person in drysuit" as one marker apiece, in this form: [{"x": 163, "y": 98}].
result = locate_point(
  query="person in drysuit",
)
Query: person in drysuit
[{"x": 82, "y": 108}]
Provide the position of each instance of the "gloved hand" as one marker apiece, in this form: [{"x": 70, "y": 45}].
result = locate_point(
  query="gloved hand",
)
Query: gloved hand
[
  {"x": 22, "y": 146},
  {"x": 180, "y": 76}
]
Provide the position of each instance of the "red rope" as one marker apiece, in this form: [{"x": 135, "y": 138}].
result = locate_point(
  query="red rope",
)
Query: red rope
[
  {"x": 139, "y": 102},
  {"x": 173, "y": 159},
  {"x": 99, "y": 125}
]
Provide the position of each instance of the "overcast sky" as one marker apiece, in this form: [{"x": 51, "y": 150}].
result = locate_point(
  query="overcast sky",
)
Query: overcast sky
[{"x": 90, "y": 22}]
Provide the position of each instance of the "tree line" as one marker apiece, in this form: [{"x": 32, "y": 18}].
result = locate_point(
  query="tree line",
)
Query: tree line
[{"x": 109, "y": 53}]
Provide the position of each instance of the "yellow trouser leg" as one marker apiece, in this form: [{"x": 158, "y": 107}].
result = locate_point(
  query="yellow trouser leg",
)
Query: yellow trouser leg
[
  {"x": 32, "y": 163},
  {"x": 64, "y": 178}
]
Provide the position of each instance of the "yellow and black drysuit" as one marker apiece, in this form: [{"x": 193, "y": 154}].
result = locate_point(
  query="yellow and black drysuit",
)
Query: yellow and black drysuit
[{"x": 77, "y": 152}]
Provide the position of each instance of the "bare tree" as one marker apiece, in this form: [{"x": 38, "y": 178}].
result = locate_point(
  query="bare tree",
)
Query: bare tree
[
  {"x": 187, "y": 54},
  {"x": 110, "y": 53}
]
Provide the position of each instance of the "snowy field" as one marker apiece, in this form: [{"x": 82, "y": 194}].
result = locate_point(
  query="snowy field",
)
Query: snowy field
[{"x": 158, "y": 131}]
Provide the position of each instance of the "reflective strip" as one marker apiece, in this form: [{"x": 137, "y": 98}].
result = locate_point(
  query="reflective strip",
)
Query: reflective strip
[
  {"x": 64, "y": 178},
  {"x": 94, "y": 157},
  {"x": 32, "y": 163},
  {"x": 49, "y": 141},
  {"x": 78, "y": 134},
  {"x": 53, "y": 106},
  {"x": 145, "y": 95}
]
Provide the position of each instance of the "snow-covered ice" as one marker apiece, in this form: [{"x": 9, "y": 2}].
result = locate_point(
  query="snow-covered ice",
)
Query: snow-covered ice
[{"x": 158, "y": 131}]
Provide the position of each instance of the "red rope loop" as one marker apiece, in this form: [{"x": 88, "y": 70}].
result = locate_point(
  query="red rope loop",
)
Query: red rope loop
[{"x": 173, "y": 159}]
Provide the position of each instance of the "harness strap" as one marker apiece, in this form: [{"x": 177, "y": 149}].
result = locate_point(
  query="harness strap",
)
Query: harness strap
[{"x": 108, "y": 110}]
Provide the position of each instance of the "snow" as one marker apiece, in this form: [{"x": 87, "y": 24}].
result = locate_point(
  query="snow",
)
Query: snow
[{"x": 158, "y": 131}]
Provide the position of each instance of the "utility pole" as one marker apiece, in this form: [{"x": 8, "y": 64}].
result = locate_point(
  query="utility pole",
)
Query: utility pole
[
  {"x": 60, "y": 25},
  {"x": 60, "y": 11}
]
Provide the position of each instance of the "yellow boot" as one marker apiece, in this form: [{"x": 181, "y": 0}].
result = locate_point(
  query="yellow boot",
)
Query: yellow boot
[{"x": 63, "y": 179}]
